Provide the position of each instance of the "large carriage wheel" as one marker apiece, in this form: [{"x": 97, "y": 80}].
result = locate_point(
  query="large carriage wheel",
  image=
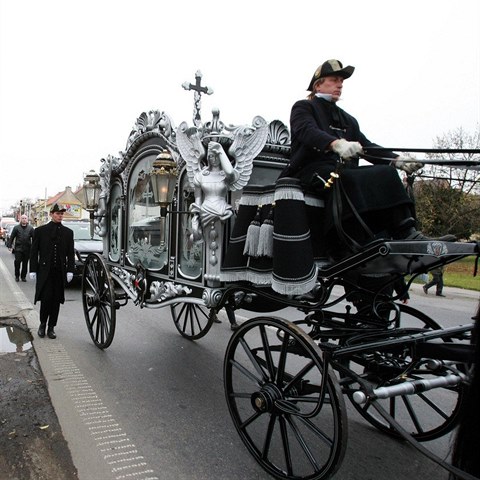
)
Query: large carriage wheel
[
  {"x": 192, "y": 320},
  {"x": 98, "y": 301},
  {"x": 425, "y": 415},
  {"x": 288, "y": 412}
]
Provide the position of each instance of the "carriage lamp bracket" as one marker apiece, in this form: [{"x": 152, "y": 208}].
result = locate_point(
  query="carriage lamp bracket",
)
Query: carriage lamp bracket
[{"x": 91, "y": 193}]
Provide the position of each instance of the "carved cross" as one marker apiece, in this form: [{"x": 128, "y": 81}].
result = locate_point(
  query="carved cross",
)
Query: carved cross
[{"x": 198, "y": 90}]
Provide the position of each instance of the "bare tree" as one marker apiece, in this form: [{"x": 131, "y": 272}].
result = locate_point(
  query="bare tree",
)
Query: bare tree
[
  {"x": 447, "y": 191},
  {"x": 465, "y": 178}
]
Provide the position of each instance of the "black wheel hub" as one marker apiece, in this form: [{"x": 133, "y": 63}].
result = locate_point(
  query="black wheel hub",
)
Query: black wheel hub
[
  {"x": 264, "y": 400},
  {"x": 92, "y": 300}
]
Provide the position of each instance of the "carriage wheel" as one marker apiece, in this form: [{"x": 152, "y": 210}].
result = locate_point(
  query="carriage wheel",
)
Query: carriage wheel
[
  {"x": 294, "y": 428},
  {"x": 192, "y": 320},
  {"x": 98, "y": 301},
  {"x": 425, "y": 415}
]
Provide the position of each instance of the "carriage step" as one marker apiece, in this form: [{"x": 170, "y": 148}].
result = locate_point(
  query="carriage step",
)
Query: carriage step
[{"x": 407, "y": 388}]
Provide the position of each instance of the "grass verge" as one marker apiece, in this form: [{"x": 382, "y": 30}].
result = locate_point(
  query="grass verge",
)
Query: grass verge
[{"x": 459, "y": 274}]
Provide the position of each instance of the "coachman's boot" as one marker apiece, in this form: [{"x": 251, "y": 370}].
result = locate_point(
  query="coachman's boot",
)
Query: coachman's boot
[{"x": 406, "y": 231}]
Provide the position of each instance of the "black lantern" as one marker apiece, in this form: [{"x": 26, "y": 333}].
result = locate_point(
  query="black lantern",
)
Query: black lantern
[{"x": 164, "y": 179}]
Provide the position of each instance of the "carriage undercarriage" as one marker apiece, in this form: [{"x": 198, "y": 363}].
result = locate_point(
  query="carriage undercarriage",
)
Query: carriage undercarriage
[{"x": 285, "y": 380}]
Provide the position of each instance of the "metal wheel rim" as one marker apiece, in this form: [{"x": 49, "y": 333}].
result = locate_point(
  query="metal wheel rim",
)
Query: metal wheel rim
[
  {"x": 192, "y": 320},
  {"x": 287, "y": 421}
]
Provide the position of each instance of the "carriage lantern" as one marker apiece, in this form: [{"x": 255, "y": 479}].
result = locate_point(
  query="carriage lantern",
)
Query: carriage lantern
[
  {"x": 91, "y": 192},
  {"x": 164, "y": 179}
]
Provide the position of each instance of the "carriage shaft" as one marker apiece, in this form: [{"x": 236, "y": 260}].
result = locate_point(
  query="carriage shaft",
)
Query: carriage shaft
[{"x": 400, "y": 340}]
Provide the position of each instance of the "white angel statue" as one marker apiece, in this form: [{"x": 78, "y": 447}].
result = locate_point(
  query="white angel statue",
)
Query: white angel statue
[{"x": 212, "y": 181}]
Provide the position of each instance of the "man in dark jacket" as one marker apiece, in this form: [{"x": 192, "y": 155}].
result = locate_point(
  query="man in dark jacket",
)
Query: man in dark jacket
[
  {"x": 21, "y": 241},
  {"x": 367, "y": 202},
  {"x": 52, "y": 262}
]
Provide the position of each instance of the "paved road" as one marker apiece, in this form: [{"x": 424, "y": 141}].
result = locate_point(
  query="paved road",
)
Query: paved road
[{"x": 161, "y": 397}]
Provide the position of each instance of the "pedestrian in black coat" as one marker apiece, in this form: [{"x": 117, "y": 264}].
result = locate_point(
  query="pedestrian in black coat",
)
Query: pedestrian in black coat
[
  {"x": 52, "y": 262},
  {"x": 20, "y": 241},
  {"x": 367, "y": 202},
  {"x": 437, "y": 280}
]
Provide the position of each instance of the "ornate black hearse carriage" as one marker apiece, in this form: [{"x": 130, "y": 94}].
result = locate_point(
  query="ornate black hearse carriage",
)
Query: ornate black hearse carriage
[{"x": 194, "y": 220}]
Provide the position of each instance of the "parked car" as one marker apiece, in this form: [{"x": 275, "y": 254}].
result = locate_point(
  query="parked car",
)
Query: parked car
[
  {"x": 8, "y": 231},
  {"x": 3, "y": 224},
  {"x": 84, "y": 244}
]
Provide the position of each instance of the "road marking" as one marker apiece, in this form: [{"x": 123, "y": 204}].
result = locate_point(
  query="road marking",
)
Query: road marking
[{"x": 124, "y": 460}]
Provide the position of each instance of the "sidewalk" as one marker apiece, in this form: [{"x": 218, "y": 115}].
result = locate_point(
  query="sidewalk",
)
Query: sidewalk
[
  {"x": 32, "y": 441},
  {"x": 450, "y": 292}
]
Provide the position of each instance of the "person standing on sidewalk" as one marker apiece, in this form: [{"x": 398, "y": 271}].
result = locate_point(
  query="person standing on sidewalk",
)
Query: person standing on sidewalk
[
  {"x": 21, "y": 241},
  {"x": 52, "y": 262},
  {"x": 437, "y": 279}
]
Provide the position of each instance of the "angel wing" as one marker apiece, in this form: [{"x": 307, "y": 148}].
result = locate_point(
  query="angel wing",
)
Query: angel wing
[
  {"x": 191, "y": 149},
  {"x": 247, "y": 144}
]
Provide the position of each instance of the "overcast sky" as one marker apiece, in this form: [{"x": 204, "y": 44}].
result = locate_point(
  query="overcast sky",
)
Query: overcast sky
[{"x": 74, "y": 76}]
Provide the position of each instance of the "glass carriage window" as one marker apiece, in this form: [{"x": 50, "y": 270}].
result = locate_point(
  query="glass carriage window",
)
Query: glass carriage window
[
  {"x": 190, "y": 252},
  {"x": 115, "y": 226},
  {"x": 147, "y": 243}
]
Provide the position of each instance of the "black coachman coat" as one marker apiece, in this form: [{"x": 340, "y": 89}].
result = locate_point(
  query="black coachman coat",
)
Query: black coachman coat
[
  {"x": 21, "y": 238},
  {"x": 41, "y": 253},
  {"x": 314, "y": 125}
]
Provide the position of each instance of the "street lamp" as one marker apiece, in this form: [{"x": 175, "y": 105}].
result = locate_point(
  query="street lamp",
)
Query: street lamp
[
  {"x": 91, "y": 192},
  {"x": 164, "y": 179}
]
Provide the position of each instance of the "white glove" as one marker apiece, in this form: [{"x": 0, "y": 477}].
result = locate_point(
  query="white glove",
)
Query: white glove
[
  {"x": 406, "y": 164},
  {"x": 33, "y": 276},
  {"x": 346, "y": 149},
  {"x": 69, "y": 277}
]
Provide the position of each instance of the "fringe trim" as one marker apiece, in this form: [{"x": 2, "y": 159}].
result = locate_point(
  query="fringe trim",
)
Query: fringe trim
[
  {"x": 247, "y": 275},
  {"x": 250, "y": 200},
  {"x": 266, "y": 279},
  {"x": 289, "y": 194},
  {"x": 284, "y": 287},
  {"x": 293, "y": 286}
]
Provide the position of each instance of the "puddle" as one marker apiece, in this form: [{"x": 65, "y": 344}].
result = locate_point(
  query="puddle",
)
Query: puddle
[{"x": 14, "y": 339}]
